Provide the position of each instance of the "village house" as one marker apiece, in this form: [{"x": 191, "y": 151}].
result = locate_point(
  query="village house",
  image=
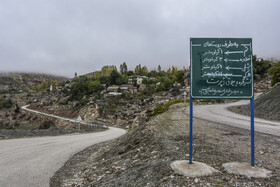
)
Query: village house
[
  {"x": 136, "y": 79},
  {"x": 113, "y": 88},
  {"x": 128, "y": 88}
]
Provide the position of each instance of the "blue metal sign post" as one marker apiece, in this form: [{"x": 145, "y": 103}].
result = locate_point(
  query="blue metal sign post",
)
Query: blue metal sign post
[
  {"x": 191, "y": 130},
  {"x": 252, "y": 134}
]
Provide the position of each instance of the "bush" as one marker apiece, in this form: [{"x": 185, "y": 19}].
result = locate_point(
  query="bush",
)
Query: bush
[
  {"x": 260, "y": 66},
  {"x": 84, "y": 86},
  {"x": 165, "y": 84},
  {"x": 275, "y": 73},
  {"x": 5, "y": 103},
  {"x": 46, "y": 124},
  {"x": 17, "y": 109},
  {"x": 160, "y": 109}
]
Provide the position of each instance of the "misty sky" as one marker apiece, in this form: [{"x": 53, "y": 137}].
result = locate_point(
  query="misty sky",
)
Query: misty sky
[{"x": 66, "y": 36}]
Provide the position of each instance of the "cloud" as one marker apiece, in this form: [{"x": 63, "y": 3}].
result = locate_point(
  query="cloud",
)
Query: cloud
[{"x": 68, "y": 36}]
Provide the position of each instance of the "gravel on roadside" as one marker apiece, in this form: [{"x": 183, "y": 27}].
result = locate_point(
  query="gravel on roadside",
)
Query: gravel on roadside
[{"x": 142, "y": 157}]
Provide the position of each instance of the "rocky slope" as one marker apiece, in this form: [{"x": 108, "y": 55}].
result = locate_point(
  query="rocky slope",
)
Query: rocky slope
[
  {"x": 142, "y": 157},
  {"x": 266, "y": 106},
  {"x": 25, "y": 80}
]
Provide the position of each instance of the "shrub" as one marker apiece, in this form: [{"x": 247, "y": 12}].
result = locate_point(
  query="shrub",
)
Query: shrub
[
  {"x": 46, "y": 124},
  {"x": 160, "y": 109},
  {"x": 17, "y": 109},
  {"x": 5, "y": 103},
  {"x": 275, "y": 73}
]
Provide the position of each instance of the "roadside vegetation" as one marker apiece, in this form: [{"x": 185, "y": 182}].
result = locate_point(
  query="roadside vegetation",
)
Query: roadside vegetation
[
  {"x": 5, "y": 103},
  {"x": 95, "y": 83},
  {"x": 275, "y": 73}
]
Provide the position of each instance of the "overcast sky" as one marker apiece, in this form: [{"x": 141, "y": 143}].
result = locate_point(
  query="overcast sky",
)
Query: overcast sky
[{"x": 67, "y": 36}]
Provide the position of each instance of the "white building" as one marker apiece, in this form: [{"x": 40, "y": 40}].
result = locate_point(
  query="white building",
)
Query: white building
[{"x": 137, "y": 78}]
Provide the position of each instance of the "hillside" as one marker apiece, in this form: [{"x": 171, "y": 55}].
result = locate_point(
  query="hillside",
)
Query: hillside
[
  {"x": 142, "y": 157},
  {"x": 21, "y": 81},
  {"x": 266, "y": 106}
]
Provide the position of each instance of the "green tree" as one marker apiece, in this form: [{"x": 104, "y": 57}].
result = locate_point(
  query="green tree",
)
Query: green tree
[
  {"x": 130, "y": 73},
  {"x": 123, "y": 68},
  {"x": 106, "y": 70},
  {"x": 165, "y": 84},
  {"x": 94, "y": 86},
  {"x": 159, "y": 68},
  {"x": 84, "y": 86},
  {"x": 17, "y": 108},
  {"x": 115, "y": 78},
  {"x": 104, "y": 80},
  {"x": 275, "y": 73},
  {"x": 180, "y": 76},
  {"x": 121, "y": 80},
  {"x": 139, "y": 70},
  {"x": 260, "y": 66},
  {"x": 5, "y": 103},
  {"x": 153, "y": 73}
]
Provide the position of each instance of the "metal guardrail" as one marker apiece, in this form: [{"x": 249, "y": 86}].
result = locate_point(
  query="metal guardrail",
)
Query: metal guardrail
[
  {"x": 65, "y": 119},
  {"x": 94, "y": 125}
]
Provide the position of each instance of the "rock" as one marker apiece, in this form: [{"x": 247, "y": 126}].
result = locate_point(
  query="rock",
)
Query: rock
[{"x": 99, "y": 178}]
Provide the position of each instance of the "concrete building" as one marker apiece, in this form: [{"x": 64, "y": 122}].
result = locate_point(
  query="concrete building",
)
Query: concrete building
[{"x": 136, "y": 79}]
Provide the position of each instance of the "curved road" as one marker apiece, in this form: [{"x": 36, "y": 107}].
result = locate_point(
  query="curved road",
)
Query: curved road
[
  {"x": 219, "y": 113},
  {"x": 32, "y": 161}
]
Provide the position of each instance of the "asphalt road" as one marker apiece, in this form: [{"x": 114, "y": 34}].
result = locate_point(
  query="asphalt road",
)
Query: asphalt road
[
  {"x": 28, "y": 162},
  {"x": 219, "y": 113}
]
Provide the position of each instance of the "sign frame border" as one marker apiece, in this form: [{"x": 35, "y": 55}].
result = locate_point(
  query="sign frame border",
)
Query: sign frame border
[{"x": 220, "y": 97}]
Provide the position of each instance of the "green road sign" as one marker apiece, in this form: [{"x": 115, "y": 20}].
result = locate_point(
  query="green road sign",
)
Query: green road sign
[{"x": 221, "y": 68}]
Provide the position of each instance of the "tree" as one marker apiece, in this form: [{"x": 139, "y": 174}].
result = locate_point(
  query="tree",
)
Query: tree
[
  {"x": 93, "y": 87},
  {"x": 17, "y": 108},
  {"x": 4, "y": 103},
  {"x": 153, "y": 73},
  {"x": 180, "y": 76},
  {"x": 116, "y": 78},
  {"x": 139, "y": 70},
  {"x": 165, "y": 84},
  {"x": 159, "y": 68},
  {"x": 123, "y": 68},
  {"x": 121, "y": 80},
  {"x": 106, "y": 70},
  {"x": 130, "y": 73},
  {"x": 275, "y": 73},
  {"x": 104, "y": 80},
  {"x": 260, "y": 66},
  {"x": 174, "y": 71}
]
